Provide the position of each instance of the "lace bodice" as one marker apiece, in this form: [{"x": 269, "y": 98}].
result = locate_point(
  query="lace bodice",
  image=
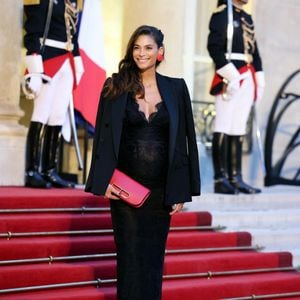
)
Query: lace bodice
[{"x": 143, "y": 151}]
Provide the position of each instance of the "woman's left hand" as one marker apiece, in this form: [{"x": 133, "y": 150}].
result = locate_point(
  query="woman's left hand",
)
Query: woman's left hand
[{"x": 176, "y": 208}]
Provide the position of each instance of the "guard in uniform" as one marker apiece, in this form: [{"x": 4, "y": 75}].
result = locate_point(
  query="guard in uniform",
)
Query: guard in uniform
[
  {"x": 54, "y": 68},
  {"x": 238, "y": 82}
]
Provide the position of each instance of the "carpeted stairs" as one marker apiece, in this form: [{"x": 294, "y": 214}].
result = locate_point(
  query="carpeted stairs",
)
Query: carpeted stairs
[{"x": 58, "y": 244}]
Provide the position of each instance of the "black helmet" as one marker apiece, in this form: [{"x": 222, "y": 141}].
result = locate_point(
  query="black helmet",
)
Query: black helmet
[{"x": 220, "y": 2}]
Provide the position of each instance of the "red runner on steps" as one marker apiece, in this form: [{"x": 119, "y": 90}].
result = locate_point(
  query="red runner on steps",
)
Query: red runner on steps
[{"x": 222, "y": 272}]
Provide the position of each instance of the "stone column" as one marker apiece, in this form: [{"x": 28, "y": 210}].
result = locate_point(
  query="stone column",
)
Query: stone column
[{"x": 12, "y": 135}]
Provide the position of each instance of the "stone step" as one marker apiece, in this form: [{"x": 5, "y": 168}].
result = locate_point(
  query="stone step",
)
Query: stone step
[
  {"x": 280, "y": 238},
  {"x": 268, "y": 219},
  {"x": 276, "y": 197},
  {"x": 296, "y": 257},
  {"x": 272, "y": 217}
]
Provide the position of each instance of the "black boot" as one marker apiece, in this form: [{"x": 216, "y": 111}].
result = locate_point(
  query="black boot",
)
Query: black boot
[
  {"x": 235, "y": 166},
  {"x": 49, "y": 157},
  {"x": 219, "y": 150},
  {"x": 33, "y": 178}
]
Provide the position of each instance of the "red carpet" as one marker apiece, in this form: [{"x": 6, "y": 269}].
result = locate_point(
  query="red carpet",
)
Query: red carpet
[{"x": 221, "y": 273}]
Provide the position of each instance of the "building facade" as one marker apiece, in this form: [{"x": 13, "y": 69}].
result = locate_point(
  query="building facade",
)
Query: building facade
[{"x": 185, "y": 25}]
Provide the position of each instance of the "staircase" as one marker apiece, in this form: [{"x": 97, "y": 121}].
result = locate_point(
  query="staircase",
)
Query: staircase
[
  {"x": 58, "y": 245},
  {"x": 272, "y": 217}
]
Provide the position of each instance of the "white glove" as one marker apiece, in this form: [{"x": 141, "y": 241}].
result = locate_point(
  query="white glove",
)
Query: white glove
[
  {"x": 231, "y": 75},
  {"x": 233, "y": 78},
  {"x": 79, "y": 68},
  {"x": 234, "y": 85},
  {"x": 229, "y": 72},
  {"x": 35, "y": 84},
  {"x": 260, "y": 82},
  {"x": 34, "y": 64}
]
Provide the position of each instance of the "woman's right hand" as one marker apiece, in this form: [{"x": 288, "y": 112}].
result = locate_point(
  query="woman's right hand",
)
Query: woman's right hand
[{"x": 111, "y": 193}]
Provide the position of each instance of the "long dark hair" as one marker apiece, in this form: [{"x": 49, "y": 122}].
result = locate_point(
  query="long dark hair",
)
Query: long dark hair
[{"x": 128, "y": 78}]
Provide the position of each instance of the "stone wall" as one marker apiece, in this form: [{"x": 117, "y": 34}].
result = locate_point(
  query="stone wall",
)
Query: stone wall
[
  {"x": 12, "y": 135},
  {"x": 277, "y": 32},
  {"x": 166, "y": 15}
]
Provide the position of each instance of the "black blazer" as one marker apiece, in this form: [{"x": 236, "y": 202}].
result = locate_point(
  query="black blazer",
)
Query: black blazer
[{"x": 183, "y": 176}]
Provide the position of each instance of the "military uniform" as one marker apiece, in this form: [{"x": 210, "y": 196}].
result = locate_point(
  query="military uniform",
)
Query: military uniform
[
  {"x": 238, "y": 82},
  {"x": 53, "y": 52}
]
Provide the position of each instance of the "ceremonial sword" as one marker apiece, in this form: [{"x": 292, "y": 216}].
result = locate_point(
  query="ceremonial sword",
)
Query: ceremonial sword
[
  {"x": 229, "y": 29},
  {"x": 229, "y": 42}
]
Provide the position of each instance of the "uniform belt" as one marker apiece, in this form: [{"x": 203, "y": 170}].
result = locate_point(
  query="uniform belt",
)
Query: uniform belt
[
  {"x": 58, "y": 44},
  {"x": 240, "y": 56}
]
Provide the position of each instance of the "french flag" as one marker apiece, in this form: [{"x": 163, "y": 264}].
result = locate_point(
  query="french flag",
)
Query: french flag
[{"x": 91, "y": 45}]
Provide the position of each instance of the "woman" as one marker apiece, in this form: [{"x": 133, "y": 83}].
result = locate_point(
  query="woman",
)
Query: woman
[
  {"x": 240, "y": 67},
  {"x": 144, "y": 128}
]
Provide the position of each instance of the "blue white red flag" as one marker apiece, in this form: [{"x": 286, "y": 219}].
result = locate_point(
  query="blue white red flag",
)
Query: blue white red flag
[{"x": 91, "y": 45}]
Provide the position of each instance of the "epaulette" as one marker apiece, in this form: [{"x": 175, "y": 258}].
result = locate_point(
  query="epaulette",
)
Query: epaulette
[
  {"x": 220, "y": 8},
  {"x": 31, "y": 2},
  {"x": 79, "y": 5}
]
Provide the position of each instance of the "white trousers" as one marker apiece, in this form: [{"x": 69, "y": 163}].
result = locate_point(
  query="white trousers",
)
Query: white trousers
[
  {"x": 51, "y": 105},
  {"x": 232, "y": 114}
]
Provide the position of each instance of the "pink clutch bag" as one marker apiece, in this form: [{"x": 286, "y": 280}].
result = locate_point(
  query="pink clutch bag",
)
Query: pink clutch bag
[{"x": 129, "y": 190}]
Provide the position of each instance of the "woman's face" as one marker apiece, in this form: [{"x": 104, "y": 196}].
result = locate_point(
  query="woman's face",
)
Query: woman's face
[{"x": 145, "y": 52}]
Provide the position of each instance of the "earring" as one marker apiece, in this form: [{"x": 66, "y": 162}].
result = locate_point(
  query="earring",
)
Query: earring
[{"x": 160, "y": 57}]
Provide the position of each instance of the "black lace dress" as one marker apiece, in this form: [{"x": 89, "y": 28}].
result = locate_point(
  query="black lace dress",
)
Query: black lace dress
[{"x": 141, "y": 233}]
